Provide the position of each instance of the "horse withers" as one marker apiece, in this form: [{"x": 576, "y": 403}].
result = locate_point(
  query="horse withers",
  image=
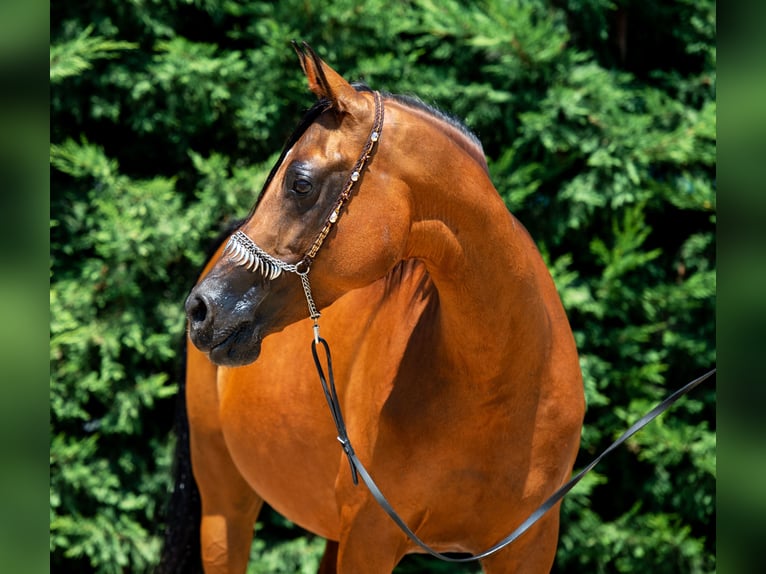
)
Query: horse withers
[{"x": 455, "y": 365}]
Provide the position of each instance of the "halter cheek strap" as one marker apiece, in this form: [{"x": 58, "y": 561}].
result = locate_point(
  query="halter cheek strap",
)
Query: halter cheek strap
[
  {"x": 244, "y": 251},
  {"x": 356, "y": 173}
]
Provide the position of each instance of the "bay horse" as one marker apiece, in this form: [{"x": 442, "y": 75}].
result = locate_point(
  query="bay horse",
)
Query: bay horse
[{"x": 455, "y": 364}]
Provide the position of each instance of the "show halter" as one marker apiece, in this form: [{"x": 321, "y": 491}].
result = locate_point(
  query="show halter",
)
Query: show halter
[{"x": 244, "y": 251}]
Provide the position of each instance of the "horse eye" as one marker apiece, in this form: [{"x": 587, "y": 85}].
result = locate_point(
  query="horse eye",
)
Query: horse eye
[{"x": 301, "y": 186}]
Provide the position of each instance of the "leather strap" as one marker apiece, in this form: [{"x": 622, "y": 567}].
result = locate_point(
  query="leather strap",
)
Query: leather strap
[
  {"x": 358, "y": 469},
  {"x": 328, "y": 386}
]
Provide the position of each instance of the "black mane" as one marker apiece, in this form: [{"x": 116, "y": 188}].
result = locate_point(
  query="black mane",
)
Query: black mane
[
  {"x": 414, "y": 102},
  {"x": 309, "y": 118},
  {"x": 418, "y": 104}
]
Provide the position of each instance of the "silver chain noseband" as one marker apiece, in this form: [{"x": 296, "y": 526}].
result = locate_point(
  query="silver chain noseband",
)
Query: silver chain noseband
[{"x": 244, "y": 251}]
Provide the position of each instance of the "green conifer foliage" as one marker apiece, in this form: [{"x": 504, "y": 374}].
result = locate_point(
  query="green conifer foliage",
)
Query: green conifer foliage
[{"x": 598, "y": 118}]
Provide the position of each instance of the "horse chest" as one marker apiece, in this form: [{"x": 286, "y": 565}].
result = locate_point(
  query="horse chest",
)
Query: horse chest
[{"x": 282, "y": 440}]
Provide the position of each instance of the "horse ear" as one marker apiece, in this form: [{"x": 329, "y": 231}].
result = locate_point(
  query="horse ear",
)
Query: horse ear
[{"x": 325, "y": 82}]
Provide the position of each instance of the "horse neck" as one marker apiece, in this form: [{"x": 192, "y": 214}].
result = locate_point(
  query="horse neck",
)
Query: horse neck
[{"x": 487, "y": 271}]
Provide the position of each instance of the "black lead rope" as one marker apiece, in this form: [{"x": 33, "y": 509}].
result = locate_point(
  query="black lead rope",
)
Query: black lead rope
[
  {"x": 332, "y": 401},
  {"x": 357, "y": 467}
]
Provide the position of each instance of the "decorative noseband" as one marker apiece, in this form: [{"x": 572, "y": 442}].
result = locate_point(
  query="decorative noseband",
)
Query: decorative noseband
[{"x": 244, "y": 251}]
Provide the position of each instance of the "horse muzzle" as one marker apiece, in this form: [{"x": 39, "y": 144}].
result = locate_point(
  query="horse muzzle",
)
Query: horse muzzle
[{"x": 224, "y": 325}]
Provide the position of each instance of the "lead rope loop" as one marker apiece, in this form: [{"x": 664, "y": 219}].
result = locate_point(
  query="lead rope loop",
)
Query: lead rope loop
[
  {"x": 358, "y": 468},
  {"x": 328, "y": 380},
  {"x": 331, "y": 395}
]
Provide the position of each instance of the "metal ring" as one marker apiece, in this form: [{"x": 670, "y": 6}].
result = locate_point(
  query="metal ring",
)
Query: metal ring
[{"x": 298, "y": 267}]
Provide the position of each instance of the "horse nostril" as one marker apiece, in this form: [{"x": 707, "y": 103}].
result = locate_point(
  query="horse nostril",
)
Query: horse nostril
[
  {"x": 196, "y": 309},
  {"x": 201, "y": 314}
]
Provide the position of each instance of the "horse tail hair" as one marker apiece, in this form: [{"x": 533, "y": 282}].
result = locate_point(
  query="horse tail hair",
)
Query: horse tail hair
[
  {"x": 181, "y": 549},
  {"x": 181, "y": 552}
]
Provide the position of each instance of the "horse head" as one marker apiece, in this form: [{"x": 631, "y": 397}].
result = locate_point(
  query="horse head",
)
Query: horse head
[{"x": 306, "y": 203}]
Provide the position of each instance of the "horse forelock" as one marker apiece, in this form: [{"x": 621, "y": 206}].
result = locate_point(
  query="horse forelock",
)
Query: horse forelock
[
  {"x": 310, "y": 116},
  {"x": 473, "y": 144},
  {"x": 308, "y": 119}
]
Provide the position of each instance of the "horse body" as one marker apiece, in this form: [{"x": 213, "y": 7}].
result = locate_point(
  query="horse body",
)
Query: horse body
[{"x": 455, "y": 364}]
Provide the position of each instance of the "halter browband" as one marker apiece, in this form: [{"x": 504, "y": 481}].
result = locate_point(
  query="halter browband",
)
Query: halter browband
[{"x": 244, "y": 251}]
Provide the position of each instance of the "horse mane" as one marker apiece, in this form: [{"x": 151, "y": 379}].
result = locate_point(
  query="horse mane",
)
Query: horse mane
[
  {"x": 416, "y": 103},
  {"x": 413, "y": 102}
]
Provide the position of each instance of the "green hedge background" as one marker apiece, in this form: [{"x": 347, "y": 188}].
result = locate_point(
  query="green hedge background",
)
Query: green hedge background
[{"x": 598, "y": 118}]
